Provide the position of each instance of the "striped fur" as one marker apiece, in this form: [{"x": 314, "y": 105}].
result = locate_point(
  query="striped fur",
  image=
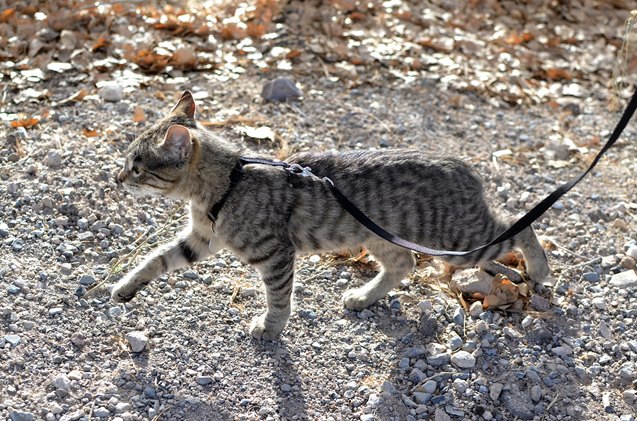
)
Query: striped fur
[{"x": 273, "y": 215}]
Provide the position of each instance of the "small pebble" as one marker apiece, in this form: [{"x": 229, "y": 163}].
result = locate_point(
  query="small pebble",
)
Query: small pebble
[
  {"x": 536, "y": 393},
  {"x": 495, "y": 390},
  {"x": 463, "y": 359},
  {"x": 280, "y": 89},
  {"x": 137, "y": 341},
  {"x": 476, "y": 309},
  {"x": 111, "y": 92},
  {"x": 626, "y": 279},
  {"x": 430, "y": 386}
]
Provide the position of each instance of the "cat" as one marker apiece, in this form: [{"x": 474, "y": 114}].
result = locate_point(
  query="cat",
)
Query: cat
[{"x": 271, "y": 215}]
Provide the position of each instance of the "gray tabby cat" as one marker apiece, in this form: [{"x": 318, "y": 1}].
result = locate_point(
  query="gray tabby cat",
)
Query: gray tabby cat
[{"x": 272, "y": 215}]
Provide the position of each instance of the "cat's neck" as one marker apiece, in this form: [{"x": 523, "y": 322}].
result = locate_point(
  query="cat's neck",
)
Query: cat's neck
[{"x": 209, "y": 175}]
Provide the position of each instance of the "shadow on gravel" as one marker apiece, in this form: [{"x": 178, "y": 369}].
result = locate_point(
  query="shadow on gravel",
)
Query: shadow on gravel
[{"x": 291, "y": 403}]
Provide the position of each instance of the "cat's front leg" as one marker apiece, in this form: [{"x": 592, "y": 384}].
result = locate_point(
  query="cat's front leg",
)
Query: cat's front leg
[
  {"x": 277, "y": 271},
  {"x": 182, "y": 252}
]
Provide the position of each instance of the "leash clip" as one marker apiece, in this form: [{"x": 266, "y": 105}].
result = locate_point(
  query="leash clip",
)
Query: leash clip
[{"x": 302, "y": 171}]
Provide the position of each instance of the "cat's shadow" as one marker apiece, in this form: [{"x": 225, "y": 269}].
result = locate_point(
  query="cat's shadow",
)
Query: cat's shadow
[{"x": 287, "y": 383}]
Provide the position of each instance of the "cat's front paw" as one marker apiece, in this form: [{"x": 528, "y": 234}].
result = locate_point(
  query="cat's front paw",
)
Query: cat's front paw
[
  {"x": 357, "y": 299},
  {"x": 125, "y": 289},
  {"x": 260, "y": 328}
]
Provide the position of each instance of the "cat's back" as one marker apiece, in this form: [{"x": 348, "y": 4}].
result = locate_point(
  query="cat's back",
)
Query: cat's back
[{"x": 392, "y": 164}]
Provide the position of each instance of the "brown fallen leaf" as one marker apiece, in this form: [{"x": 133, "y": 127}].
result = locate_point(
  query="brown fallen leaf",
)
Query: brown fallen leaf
[
  {"x": 89, "y": 132},
  {"x": 515, "y": 38},
  {"x": 139, "y": 115},
  {"x": 101, "y": 44},
  {"x": 554, "y": 73},
  {"x": 25, "y": 122},
  {"x": 184, "y": 58}
]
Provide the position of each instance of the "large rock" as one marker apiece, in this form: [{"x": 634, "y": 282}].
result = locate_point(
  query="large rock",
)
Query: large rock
[
  {"x": 627, "y": 279},
  {"x": 137, "y": 341},
  {"x": 280, "y": 89},
  {"x": 472, "y": 281}
]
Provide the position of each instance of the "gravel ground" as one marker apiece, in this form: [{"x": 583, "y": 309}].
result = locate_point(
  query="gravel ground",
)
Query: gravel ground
[{"x": 64, "y": 355}]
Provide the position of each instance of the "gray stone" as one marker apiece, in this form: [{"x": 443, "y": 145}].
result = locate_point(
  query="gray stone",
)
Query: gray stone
[
  {"x": 403, "y": 364},
  {"x": 204, "y": 380},
  {"x": 463, "y": 359},
  {"x": 629, "y": 396},
  {"x": 115, "y": 311},
  {"x": 540, "y": 303},
  {"x": 101, "y": 412},
  {"x": 458, "y": 316},
  {"x": 441, "y": 415},
  {"x": 455, "y": 342},
  {"x": 438, "y": 360},
  {"x": 415, "y": 351},
  {"x": 495, "y": 390},
  {"x": 137, "y": 341},
  {"x": 625, "y": 279},
  {"x": 430, "y": 386},
  {"x": 53, "y": 159},
  {"x": 416, "y": 376},
  {"x": 632, "y": 251},
  {"x": 422, "y": 398},
  {"x": 536, "y": 393},
  {"x": 592, "y": 277},
  {"x": 122, "y": 407},
  {"x": 87, "y": 279},
  {"x": 475, "y": 309},
  {"x": 472, "y": 281},
  {"x": 249, "y": 292},
  {"x": 190, "y": 274},
  {"x": 62, "y": 382},
  {"x": 280, "y": 89},
  {"x": 533, "y": 376},
  {"x": 21, "y": 416},
  {"x": 307, "y": 314},
  {"x": 517, "y": 403},
  {"x": 4, "y": 229},
  {"x": 599, "y": 303},
  {"x": 562, "y": 351},
  {"x": 111, "y": 92},
  {"x": 14, "y": 340}
]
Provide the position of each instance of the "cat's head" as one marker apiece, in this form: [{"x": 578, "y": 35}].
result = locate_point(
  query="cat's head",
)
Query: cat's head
[{"x": 157, "y": 160}]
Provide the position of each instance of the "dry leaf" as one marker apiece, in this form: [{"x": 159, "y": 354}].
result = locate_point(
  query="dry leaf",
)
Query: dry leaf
[
  {"x": 101, "y": 43},
  {"x": 232, "y": 31},
  {"x": 554, "y": 73},
  {"x": 139, "y": 115},
  {"x": 515, "y": 38},
  {"x": 26, "y": 122},
  {"x": 184, "y": 58},
  {"x": 89, "y": 132}
]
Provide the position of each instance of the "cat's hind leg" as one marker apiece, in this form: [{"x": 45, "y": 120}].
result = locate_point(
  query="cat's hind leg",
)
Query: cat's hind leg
[
  {"x": 184, "y": 251},
  {"x": 277, "y": 272},
  {"x": 396, "y": 263}
]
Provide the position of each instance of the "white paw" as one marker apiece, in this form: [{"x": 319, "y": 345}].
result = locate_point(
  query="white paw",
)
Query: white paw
[
  {"x": 357, "y": 299},
  {"x": 262, "y": 330},
  {"x": 125, "y": 289}
]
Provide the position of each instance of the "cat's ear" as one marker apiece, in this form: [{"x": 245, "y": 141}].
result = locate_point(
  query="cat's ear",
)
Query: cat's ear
[
  {"x": 185, "y": 107},
  {"x": 177, "y": 142}
]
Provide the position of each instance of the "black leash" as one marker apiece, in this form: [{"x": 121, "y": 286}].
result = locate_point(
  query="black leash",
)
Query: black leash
[{"x": 519, "y": 226}]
